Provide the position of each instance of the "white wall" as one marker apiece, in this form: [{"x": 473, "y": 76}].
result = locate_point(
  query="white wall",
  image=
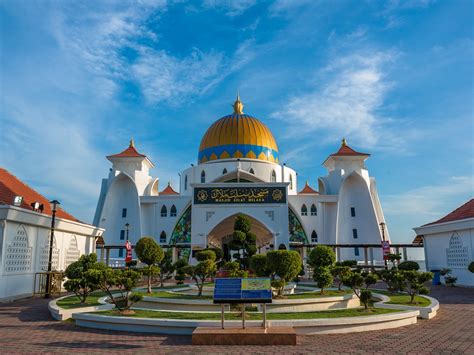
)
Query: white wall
[
  {"x": 25, "y": 249},
  {"x": 461, "y": 252}
]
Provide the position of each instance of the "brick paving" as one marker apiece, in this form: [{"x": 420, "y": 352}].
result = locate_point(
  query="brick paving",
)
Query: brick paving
[{"x": 26, "y": 326}]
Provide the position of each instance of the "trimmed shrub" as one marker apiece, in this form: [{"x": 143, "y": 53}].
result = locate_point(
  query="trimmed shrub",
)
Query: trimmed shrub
[{"x": 409, "y": 265}]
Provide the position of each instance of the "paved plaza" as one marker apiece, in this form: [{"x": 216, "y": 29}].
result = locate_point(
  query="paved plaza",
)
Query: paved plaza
[{"x": 26, "y": 326}]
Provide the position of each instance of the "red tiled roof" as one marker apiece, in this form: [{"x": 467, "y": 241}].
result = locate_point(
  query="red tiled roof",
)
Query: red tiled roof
[
  {"x": 462, "y": 212},
  {"x": 308, "y": 189},
  {"x": 169, "y": 191},
  {"x": 130, "y": 152},
  {"x": 11, "y": 186},
  {"x": 345, "y": 150}
]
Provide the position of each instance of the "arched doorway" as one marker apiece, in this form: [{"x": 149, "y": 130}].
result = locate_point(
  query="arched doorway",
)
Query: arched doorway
[{"x": 221, "y": 235}]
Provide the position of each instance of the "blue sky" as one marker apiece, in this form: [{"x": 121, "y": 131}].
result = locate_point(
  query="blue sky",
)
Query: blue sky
[{"x": 78, "y": 79}]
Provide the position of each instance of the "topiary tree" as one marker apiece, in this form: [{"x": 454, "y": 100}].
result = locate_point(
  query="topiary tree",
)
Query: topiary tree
[
  {"x": 323, "y": 278},
  {"x": 118, "y": 281},
  {"x": 349, "y": 263},
  {"x": 180, "y": 276},
  {"x": 78, "y": 279},
  {"x": 286, "y": 264},
  {"x": 233, "y": 267},
  {"x": 393, "y": 258},
  {"x": 356, "y": 281},
  {"x": 149, "y": 253},
  {"x": 448, "y": 278},
  {"x": 408, "y": 265},
  {"x": 243, "y": 240},
  {"x": 339, "y": 272},
  {"x": 321, "y": 256},
  {"x": 471, "y": 267},
  {"x": 393, "y": 278},
  {"x": 205, "y": 268},
  {"x": 414, "y": 282},
  {"x": 167, "y": 267},
  {"x": 258, "y": 263}
]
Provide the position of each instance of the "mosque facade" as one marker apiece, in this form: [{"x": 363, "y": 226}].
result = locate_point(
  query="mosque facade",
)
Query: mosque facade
[{"x": 239, "y": 172}]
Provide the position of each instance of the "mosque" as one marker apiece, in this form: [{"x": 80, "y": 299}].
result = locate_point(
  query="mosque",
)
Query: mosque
[{"x": 238, "y": 171}]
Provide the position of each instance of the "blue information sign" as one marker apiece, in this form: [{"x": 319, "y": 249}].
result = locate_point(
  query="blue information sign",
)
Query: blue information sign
[{"x": 251, "y": 290}]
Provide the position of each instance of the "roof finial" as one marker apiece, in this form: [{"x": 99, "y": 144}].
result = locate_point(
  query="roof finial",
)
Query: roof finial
[
  {"x": 344, "y": 142},
  {"x": 132, "y": 143},
  {"x": 307, "y": 183},
  {"x": 169, "y": 183},
  {"x": 238, "y": 106}
]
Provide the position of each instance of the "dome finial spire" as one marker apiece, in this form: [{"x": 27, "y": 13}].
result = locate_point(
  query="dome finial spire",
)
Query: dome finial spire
[
  {"x": 238, "y": 105},
  {"x": 132, "y": 143}
]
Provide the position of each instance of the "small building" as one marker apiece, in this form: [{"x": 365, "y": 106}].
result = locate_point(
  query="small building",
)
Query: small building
[
  {"x": 25, "y": 222},
  {"x": 449, "y": 243}
]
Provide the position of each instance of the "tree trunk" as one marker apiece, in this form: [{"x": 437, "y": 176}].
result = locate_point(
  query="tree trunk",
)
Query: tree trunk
[
  {"x": 412, "y": 295},
  {"x": 200, "y": 286},
  {"x": 149, "y": 282}
]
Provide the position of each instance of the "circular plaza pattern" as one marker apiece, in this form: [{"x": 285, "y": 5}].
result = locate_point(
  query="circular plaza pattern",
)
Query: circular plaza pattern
[{"x": 27, "y": 326}]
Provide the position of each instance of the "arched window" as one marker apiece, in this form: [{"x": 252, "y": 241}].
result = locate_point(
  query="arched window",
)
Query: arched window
[
  {"x": 273, "y": 177},
  {"x": 186, "y": 182},
  {"x": 173, "y": 211},
  {"x": 291, "y": 182},
  {"x": 251, "y": 171},
  {"x": 314, "y": 211},
  {"x": 164, "y": 211},
  {"x": 163, "y": 237},
  {"x": 304, "y": 210},
  {"x": 314, "y": 237},
  {"x": 203, "y": 177},
  {"x": 224, "y": 171}
]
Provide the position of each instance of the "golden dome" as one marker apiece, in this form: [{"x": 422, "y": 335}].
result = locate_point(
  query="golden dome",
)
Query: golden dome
[{"x": 238, "y": 136}]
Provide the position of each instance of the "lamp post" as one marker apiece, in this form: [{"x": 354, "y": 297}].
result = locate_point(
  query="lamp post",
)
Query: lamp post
[
  {"x": 382, "y": 226},
  {"x": 53, "y": 204},
  {"x": 127, "y": 228}
]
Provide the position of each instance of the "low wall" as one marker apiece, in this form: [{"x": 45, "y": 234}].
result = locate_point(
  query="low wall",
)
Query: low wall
[
  {"x": 170, "y": 304},
  {"x": 427, "y": 312},
  {"x": 59, "y": 313},
  {"x": 312, "y": 304},
  {"x": 302, "y": 327}
]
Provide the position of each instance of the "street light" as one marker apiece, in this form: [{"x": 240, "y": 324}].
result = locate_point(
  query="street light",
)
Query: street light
[
  {"x": 382, "y": 226},
  {"x": 53, "y": 204},
  {"x": 127, "y": 228}
]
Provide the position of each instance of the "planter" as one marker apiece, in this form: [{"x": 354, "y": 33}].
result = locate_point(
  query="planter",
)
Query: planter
[
  {"x": 59, "y": 313},
  {"x": 302, "y": 327},
  {"x": 427, "y": 312}
]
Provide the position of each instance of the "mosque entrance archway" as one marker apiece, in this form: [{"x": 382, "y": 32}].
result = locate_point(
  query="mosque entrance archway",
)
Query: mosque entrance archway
[{"x": 221, "y": 235}]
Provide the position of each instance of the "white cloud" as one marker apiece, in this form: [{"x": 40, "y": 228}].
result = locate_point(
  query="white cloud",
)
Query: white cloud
[
  {"x": 163, "y": 77},
  {"x": 344, "y": 101},
  {"x": 231, "y": 7},
  {"x": 432, "y": 201},
  {"x": 99, "y": 40}
]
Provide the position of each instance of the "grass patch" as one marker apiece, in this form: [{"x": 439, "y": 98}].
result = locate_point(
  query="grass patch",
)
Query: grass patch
[
  {"x": 404, "y": 299},
  {"x": 164, "y": 294},
  {"x": 250, "y": 315},
  {"x": 73, "y": 301},
  {"x": 317, "y": 294}
]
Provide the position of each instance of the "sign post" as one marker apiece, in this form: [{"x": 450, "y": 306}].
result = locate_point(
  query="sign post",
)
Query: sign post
[
  {"x": 243, "y": 291},
  {"x": 386, "y": 251},
  {"x": 128, "y": 248}
]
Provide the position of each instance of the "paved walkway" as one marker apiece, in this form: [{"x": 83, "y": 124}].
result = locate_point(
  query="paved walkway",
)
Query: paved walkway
[{"x": 26, "y": 326}]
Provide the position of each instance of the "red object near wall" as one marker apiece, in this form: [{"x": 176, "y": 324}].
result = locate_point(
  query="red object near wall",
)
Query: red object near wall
[{"x": 128, "y": 248}]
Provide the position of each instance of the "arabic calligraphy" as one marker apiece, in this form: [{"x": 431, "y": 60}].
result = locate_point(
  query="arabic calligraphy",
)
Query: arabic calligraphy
[{"x": 240, "y": 195}]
